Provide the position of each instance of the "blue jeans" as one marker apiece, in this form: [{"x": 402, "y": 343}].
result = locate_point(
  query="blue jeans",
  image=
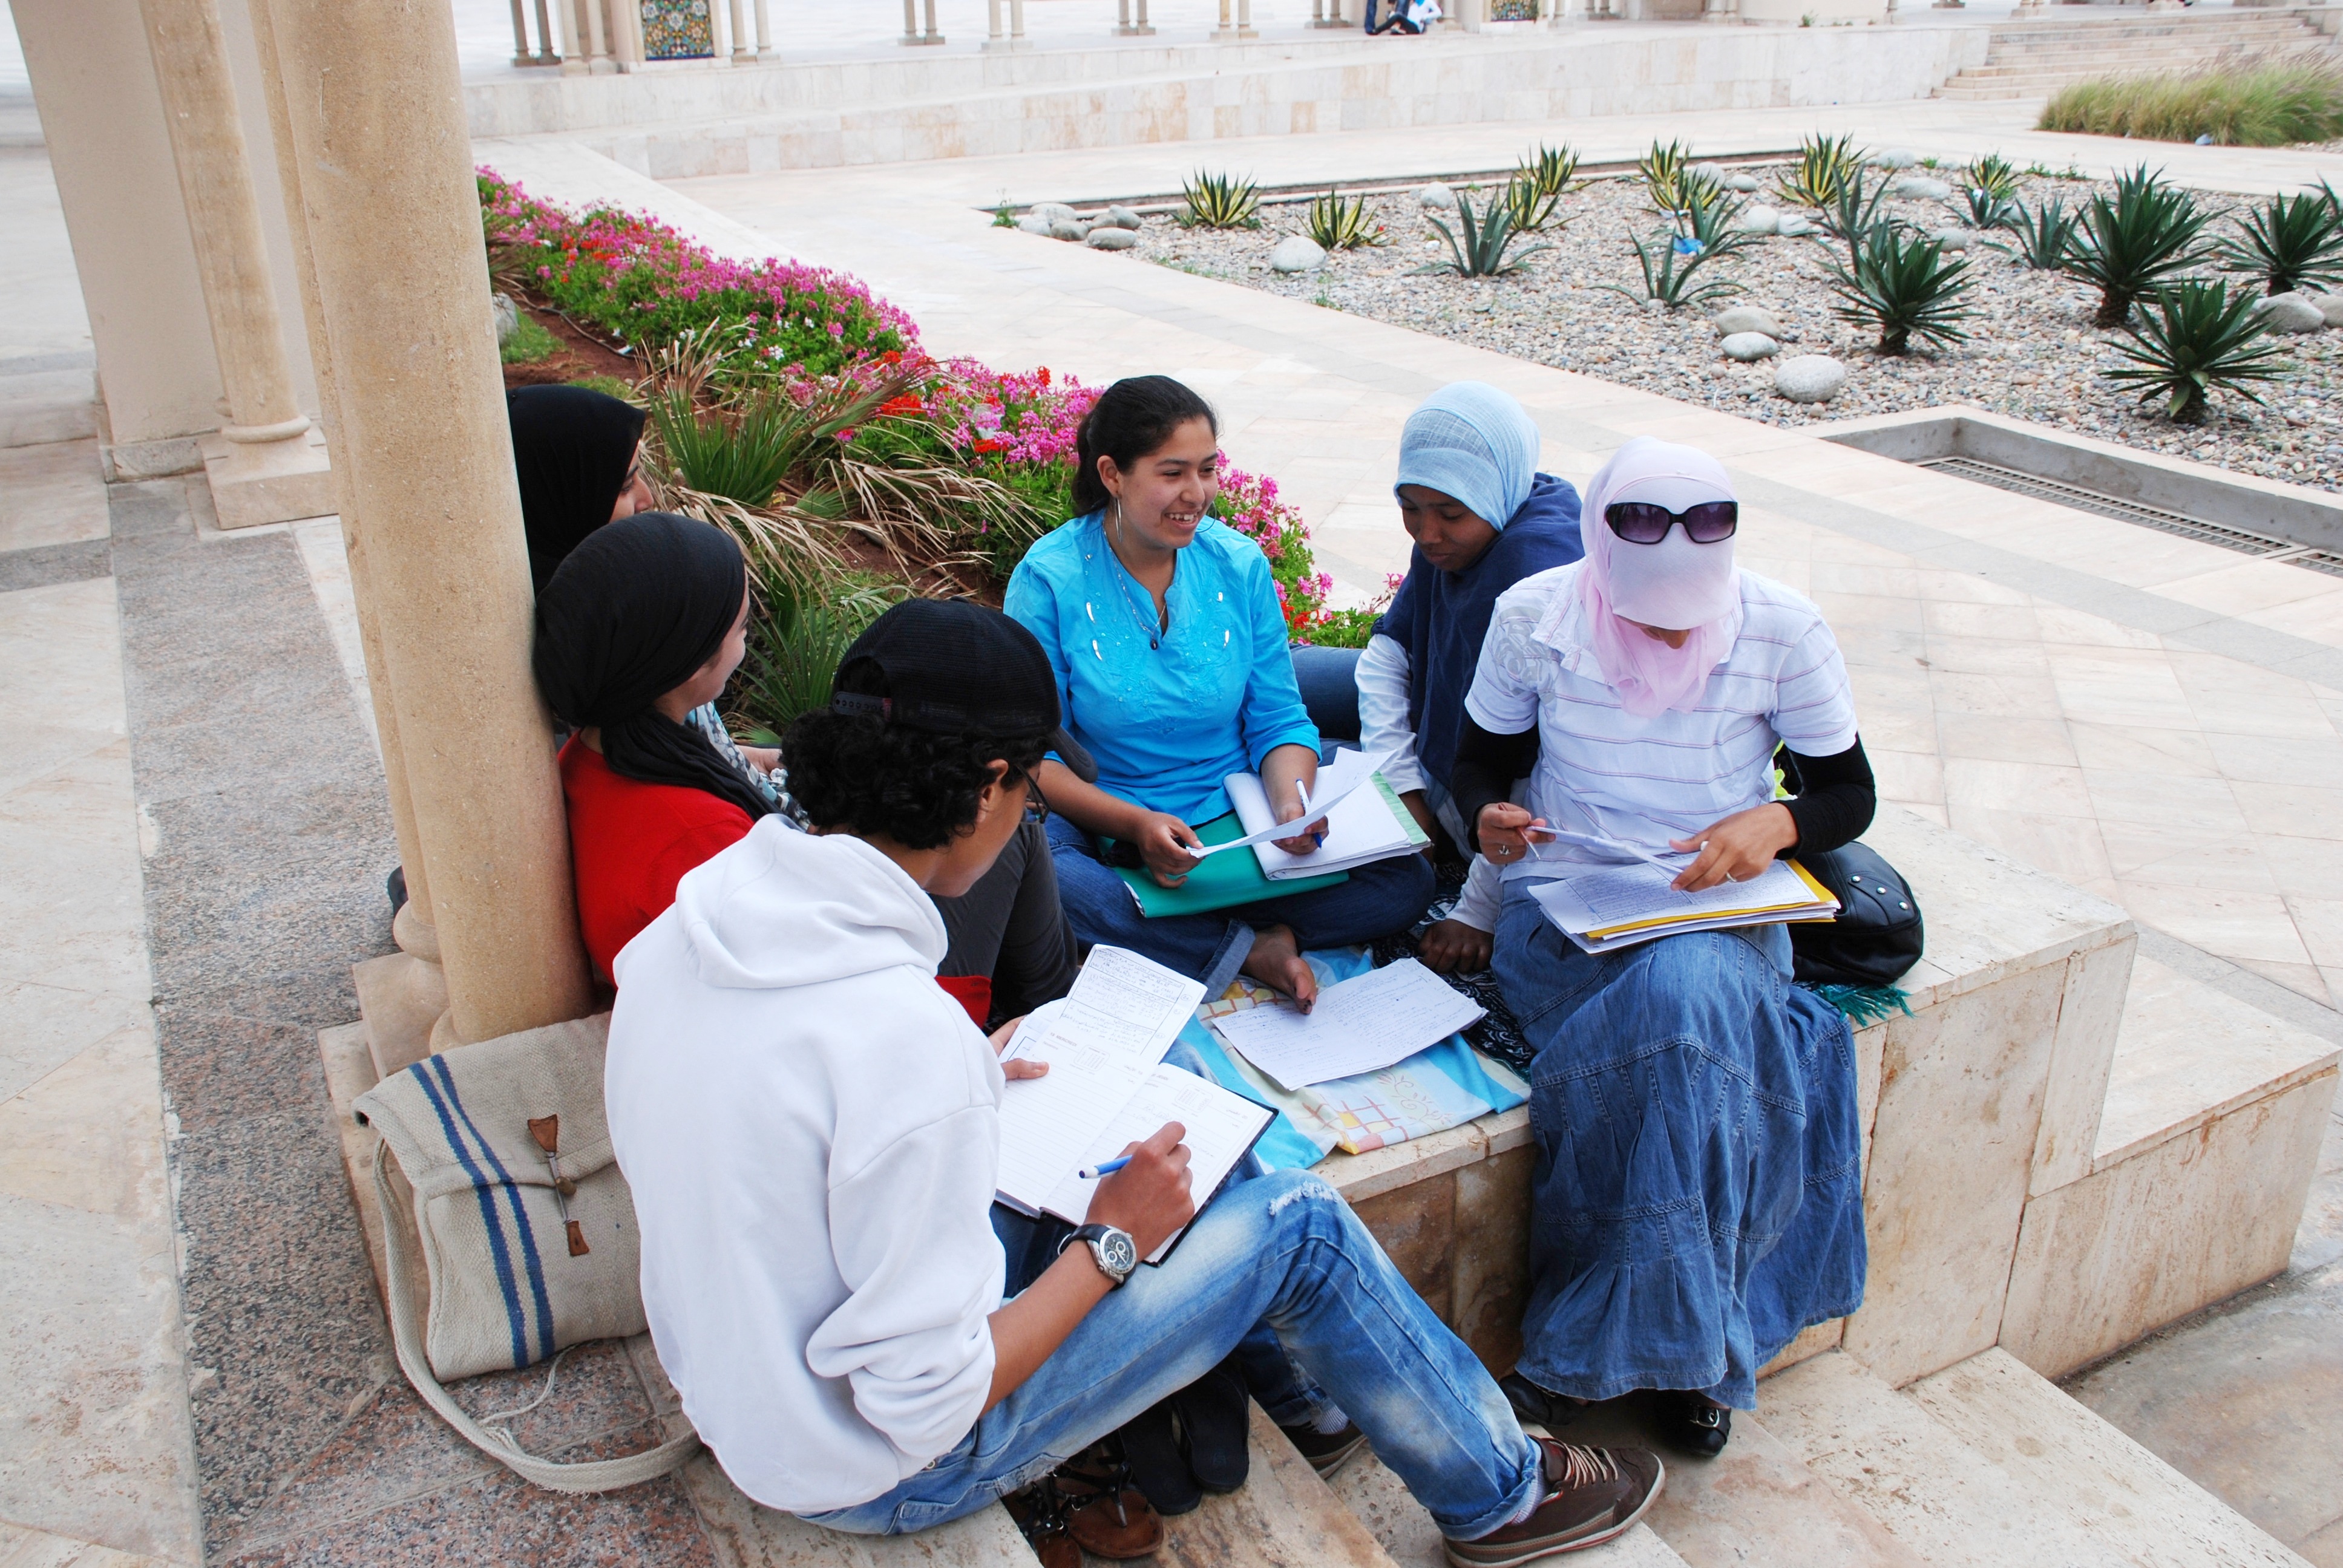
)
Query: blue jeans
[
  {"x": 1698, "y": 1197},
  {"x": 1283, "y": 1249},
  {"x": 1379, "y": 899},
  {"x": 1329, "y": 681}
]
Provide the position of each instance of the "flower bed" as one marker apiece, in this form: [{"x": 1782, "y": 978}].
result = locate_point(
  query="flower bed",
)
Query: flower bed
[{"x": 808, "y": 329}]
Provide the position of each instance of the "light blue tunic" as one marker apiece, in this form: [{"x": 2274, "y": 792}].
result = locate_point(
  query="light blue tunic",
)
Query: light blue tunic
[{"x": 1166, "y": 723}]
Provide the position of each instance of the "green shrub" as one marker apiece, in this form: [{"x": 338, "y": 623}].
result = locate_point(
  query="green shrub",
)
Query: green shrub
[
  {"x": 609, "y": 386},
  {"x": 1218, "y": 201},
  {"x": 2267, "y": 101},
  {"x": 1486, "y": 249},
  {"x": 1344, "y": 627},
  {"x": 1526, "y": 206},
  {"x": 1983, "y": 210},
  {"x": 1670, "y": 263},
  {"x": 1667, "y": 177},
  {"x": 798, "y": 632},
  {"x": 2289, "y": 241},
  {"x": 1901, "y": 284},
  {"x": 1993, "y": 175},
  {"x": 1338, "y": 222},
  {"x": 530, "y": 343},
  {"x": 2193, "y": 337},
  {"x": 1823, "y": 166},
  {"x": 2045, "y": 232},
  {"x": 2127, "y": 244},
  {"x": 1550, "y": 169}
]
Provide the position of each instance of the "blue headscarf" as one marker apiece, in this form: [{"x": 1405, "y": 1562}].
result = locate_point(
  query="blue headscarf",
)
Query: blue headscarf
[{"x": 1471, "y": 441}]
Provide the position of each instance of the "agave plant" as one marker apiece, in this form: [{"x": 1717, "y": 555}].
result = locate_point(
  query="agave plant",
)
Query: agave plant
[
  {"x": 2193, "y": 337},
  {"x": 1982, "y": 209},
  {"x": 1218, "y": 201},
  {"x": 1993, "y": 175},
  {"x": 1667, "y": 177},
  {"x": 1901, "y": 283},
  {"x": 1823, "y": 166},
  {"x": 1550, "y": 169},
  {"x": 1528, "y": 207},
  {"x": 798, "y": 630},
  {"x": 2127, "y": 244},
  {"x": 2045, "y": 233},
  {"x": 1338, "y": 222},
  {"x": 1709, "y": 220},
  {"x": 1858, "y": 209},
  {"x": 2289, "y": 241},
  {"x": 1485, "y": 250},
  {"x": 1670, "y": 263}
]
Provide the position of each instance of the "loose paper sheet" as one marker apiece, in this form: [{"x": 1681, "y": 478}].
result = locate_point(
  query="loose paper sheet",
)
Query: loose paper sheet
[
  {"x": 1361, "y": 1025},
  {"x": 1337, "y": 780},
  {"x": 1120, "y": 1000},
  {"x": 1603, "y": 899}
]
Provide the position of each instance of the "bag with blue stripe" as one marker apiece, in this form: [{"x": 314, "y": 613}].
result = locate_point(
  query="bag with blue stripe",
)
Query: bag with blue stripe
[{"x": 505, "y": 1184}]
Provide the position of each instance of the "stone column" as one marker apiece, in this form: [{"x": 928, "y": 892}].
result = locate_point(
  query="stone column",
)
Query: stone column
[
  {"x": 263, "y": 471},
  {"x": 742, "y": 54},
  {"x": 431, "y": 508},
  {"x": 765, "y": 26},
  {"x": 597, "y": 39},
  {"x": 911, "y": 34},
  {"x": 521, "y": 35}
]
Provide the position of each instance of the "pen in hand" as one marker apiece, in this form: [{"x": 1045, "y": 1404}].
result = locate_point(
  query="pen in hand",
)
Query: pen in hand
[
  {"x": 1302, "y": 789},
  {"x": 1103, "y": 1169}
]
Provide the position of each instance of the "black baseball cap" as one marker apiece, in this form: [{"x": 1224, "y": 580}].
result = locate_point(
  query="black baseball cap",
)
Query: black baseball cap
[{"x": 955, "y": 667}]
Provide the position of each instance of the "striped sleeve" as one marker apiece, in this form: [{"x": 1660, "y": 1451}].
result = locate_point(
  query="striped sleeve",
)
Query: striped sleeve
[{"x": 1814, "y": 705}]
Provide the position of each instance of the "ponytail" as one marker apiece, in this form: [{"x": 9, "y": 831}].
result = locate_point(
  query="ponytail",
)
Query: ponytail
[{"x": 1132, "y": 419}]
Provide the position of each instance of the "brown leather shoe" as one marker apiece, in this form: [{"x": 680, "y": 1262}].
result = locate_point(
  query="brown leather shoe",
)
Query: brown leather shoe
[
  {"x": 1041, "y": 1517},
  {"x": 1105, "y": 1514},
  {"x": 1592, "y": 1495}
]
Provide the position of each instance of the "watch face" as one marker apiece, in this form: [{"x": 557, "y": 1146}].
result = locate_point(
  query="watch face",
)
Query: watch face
[{"x": 1121, "y": 1256}]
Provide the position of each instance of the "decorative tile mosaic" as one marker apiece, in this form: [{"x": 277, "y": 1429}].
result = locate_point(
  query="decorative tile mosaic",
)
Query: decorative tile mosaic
[
  {"x": 678, "y": 30},
  {"x": 1513, "y": 10}
]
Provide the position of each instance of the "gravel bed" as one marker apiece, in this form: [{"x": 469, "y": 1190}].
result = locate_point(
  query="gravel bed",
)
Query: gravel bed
[{"x": 2033, "y": 353}]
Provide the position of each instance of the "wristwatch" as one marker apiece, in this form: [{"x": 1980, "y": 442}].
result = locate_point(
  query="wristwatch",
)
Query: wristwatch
[{"x": 1116, "y": 1254}]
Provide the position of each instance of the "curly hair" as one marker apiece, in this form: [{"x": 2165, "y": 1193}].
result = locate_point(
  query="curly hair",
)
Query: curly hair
[{"x": 918, "y": 787}]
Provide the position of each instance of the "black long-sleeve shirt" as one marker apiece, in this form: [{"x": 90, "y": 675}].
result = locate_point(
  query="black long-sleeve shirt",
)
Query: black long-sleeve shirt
[{"x": 1834, "y": 798}]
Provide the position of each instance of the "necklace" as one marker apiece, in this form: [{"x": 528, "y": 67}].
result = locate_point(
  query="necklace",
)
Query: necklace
[{"x": 1152, "y": 625}]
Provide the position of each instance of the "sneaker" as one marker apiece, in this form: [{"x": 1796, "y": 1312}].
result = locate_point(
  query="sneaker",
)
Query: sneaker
[
  {"x": 1592, "y": 1495},
  {"x": 1690, "y": 1425},
  {"x": 1327, "y": 1451}
]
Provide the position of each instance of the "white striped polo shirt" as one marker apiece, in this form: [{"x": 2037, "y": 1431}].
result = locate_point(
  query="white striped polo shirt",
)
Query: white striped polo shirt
[{"x": 1602, "y": 769}]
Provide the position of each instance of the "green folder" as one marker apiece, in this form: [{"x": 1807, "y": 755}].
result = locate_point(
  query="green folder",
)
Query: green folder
[{"x": 1219, "y": 881}]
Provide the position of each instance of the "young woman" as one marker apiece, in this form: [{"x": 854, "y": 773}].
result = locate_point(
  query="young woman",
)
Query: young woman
[
  {"x": 1165, "y": 630},
  {"x": 1698, "y": 1200},
  {"x": 578, "y": 455},
  {"x": 813, "y": 1137},
  {"x": 1483, "y": 518}
]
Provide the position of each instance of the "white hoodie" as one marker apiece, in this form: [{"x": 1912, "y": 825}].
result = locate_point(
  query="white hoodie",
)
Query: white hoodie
[{"x": 810, "y": 1127}]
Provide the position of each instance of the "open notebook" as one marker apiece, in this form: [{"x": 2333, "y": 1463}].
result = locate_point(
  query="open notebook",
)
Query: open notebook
[
  {"x": 1108, "y": 1088},
  {"x": 1364, "y": 820},
  {"x": 1606, "y": 908}
]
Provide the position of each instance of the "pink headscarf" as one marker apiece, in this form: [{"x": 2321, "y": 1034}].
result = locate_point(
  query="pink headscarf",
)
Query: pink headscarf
[{"x": 1675, "y": 584}]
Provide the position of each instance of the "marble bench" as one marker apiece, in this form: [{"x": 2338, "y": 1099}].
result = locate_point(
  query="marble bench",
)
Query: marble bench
[{"x": 2045, "y": 1168}]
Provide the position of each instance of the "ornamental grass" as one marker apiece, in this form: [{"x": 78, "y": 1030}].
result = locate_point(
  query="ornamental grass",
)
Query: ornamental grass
[{"x": 2265, "y": 102}]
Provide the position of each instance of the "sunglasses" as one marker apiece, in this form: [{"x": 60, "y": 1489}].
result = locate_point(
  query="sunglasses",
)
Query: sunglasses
[
  {"x": 1642, "y": 523},
  {"x": 1036, "y": 805}
]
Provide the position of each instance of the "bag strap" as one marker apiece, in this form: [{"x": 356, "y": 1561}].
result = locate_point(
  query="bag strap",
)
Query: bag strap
[{"x": 407, "y": 1326}]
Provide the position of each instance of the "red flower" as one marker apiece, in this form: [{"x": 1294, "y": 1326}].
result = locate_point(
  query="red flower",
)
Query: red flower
[
  {"x": 1043, "y": 374},
  {"x": 892, "y": 357},
  {"x": 988, "y": 445},
  {"x": 907, "y": 404}
]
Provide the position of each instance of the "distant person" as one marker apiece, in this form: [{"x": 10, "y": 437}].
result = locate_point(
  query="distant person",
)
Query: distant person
[
  {"x": 811, "y": 1135},
  {"x": 1698, "y": 1200},
  {"x": 1165, "y": 630},
  {"x": 1483, "y": 518}
]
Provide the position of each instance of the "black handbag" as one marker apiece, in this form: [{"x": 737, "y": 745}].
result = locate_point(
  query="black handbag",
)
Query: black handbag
[{"x": 1877, "y": 935}]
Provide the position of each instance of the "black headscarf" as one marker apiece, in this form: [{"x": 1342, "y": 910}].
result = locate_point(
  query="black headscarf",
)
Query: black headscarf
[
  {"x": 572, "y": 447},
  {"x": 640, "y": 605}
]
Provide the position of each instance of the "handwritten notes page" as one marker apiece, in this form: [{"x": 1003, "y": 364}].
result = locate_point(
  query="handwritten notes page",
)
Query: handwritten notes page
[
  {"x": 1101, "y": 1043},
  {"x": 1350, "y": 772},
  {"x": 1361, "y": 1025},
  {"x": 1219, "y": 1127}
]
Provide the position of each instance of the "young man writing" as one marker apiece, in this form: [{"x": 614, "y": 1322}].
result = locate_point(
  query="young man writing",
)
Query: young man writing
[{"x": 810, "y": 1129}]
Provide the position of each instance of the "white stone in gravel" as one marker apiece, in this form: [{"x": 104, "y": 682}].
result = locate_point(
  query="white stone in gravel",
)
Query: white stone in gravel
[
  {"x": 1033, "y": 223},
  {"x": 1713, "y": 173},
  {"x": 1069, "y": 228},
  {"x": 1745, "y": 319},
  {"x": 1296, "y": 253},
  {"x": 1436, "y": 196},
  {"x": 1790, "y": 226},
  {"x": 2330, "y": 306},
  {"x": 1956, "y": 238},
  {"x": 1745, "y": 184},
  {"x": 1123, "y": 218},
  {"x": 1758, "y": 220},
  {"x": 1895, "y": 158},
  {"x": 2290, "y": 312},
  {"x": 1921, "y": 188},
  {"x": 1748, "y": 345},
  {"x": 1105, "y": 238},
  {"x": 1049, "y": 211},
  {"x": 1809, "y": 379}
]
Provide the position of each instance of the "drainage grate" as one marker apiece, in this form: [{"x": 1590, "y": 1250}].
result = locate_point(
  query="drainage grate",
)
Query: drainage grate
[{"x": 2268, "y": 545}]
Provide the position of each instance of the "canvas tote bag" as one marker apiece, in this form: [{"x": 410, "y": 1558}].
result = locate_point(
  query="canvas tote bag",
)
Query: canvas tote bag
[{"x": 505, "y": 1185}]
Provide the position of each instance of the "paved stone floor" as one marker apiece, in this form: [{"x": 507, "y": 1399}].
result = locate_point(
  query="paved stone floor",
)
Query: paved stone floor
[{"x": 192, "y": 841}]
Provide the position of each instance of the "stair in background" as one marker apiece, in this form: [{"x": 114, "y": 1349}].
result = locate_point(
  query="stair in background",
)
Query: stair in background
[{"x": 2035, "y": 59}]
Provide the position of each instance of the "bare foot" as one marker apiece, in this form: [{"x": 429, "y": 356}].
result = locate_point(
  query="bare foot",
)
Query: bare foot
[{"x": 1276, "y": 961}]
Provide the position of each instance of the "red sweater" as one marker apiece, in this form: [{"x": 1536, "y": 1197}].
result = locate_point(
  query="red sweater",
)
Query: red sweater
[{"x": 631, "y": 843}]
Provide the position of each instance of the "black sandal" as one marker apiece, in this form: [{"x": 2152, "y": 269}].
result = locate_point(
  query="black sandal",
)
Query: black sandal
[
  {"x": 1690, "y": 1423},
  {"x": 1541, "y": 1405}
]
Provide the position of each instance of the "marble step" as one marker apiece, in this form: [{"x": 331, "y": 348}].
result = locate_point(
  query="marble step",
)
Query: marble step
[
  {"x": 1283, "y": 1517},
  {"x": 1987, "y": 1465},
  {"x": 1374, "y": 1495}
]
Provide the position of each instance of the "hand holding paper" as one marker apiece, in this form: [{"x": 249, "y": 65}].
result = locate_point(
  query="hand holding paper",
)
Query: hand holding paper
[{"x": 1337, "y": 782}]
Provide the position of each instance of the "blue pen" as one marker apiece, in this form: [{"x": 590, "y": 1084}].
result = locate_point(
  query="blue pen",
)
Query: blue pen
[
  {"x": 1092, "y": 1172},
  {"x": 1303, "y": 790}
]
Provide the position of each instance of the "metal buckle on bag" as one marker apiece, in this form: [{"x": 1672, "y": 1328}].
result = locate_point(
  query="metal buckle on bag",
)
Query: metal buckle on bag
[{"x": 546, "y": 1130}]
